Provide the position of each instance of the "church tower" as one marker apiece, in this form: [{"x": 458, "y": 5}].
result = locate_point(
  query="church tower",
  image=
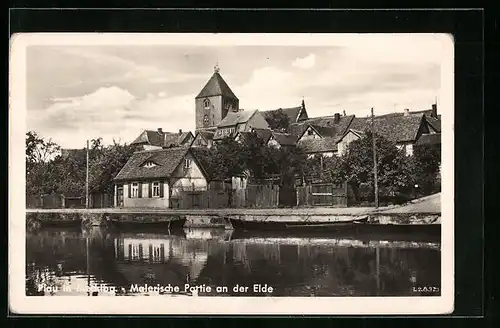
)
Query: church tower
[{"x": 214, "y": 101}]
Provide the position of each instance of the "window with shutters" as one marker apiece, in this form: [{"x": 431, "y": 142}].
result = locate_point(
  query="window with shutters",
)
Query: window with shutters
[
  {"x": 156, "y": 189},
  {"x": 135, "y": 190}
]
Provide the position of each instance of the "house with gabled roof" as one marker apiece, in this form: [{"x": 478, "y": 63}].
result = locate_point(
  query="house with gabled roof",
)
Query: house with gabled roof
[
  {"x": 403, "y": 129},
  {"x": 270, "y": 138},
  {"x": 150, "y": 139},
  {"x": 282, "y": 140},
  {"x": 347, "y": 138},
  {"x": 294, "y": 114},
  {"x": 242, "y": 121},
  {"x": 320, "y": 135},
  {"x": 151, "y": 177},
  {"x": 203, "y": 138}
]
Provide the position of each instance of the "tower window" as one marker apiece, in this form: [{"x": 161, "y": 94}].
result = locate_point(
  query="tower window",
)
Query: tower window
[{"x": 206, "y": 103}]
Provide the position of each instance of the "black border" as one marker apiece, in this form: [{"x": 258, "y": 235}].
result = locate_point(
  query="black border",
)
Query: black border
[{"x": 466, "y": 26}]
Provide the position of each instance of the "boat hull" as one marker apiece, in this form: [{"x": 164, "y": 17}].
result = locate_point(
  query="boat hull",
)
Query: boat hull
[
  {"x": 353, "y": 233},
  {"x": 171, "y": 225},
  {"x": 356, "y": 228},
  {"x": 297, "y": 226},
  {"x": 61, "y": 223}
]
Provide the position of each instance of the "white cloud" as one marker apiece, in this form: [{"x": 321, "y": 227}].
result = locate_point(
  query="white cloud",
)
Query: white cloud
[
  {"x": 111, "y": 113},
  {"x": 306, "y": 62},
  {"x": 268, "y": 87}
]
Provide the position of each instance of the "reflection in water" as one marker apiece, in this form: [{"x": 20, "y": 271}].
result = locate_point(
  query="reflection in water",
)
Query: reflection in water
[{"x": 100, "y": 262}]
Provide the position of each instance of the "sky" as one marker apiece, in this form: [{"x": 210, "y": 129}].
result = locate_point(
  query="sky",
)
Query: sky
[{"x": 115, "y": 91}]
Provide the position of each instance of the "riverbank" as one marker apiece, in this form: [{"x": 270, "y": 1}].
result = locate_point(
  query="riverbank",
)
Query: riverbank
[
  {"x": 422, "y": 211},
  {"x": 428, "y": 205},
  {"x": 216, "y": 212}
]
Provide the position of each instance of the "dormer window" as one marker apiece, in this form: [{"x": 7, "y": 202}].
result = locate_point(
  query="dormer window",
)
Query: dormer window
[
  {"x": 206, "y": 104},
  {"x": 149, "y": 164}
]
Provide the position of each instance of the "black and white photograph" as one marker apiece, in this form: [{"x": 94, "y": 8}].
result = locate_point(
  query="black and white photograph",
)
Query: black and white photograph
[{"x": 232, "y": 173}]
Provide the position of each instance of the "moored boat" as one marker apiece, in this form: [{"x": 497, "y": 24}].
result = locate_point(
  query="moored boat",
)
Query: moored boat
[
  {"x": 145, "y": 223},
  {"x": 302, "y": 226}
]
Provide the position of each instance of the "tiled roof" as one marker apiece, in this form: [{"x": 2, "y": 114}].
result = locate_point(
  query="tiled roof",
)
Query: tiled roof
[
  {"x": 202, "y": 155},
  {"x": 285, "y": 139},
  {"x": 234, "y": 118},
  {"x": 161, "y": 139},
  {"x": 322, "y": 145},
  {"x": 395, "y": 127},
  {"x": 264, "y": 134},
  {"x": 325, "y": 125},
  {"x": 292, "y": 113},
  {"x": 324, "y": 131},
  {"x": 435, "y": 123},
  {"x": 357, "y": 132},
  {"x": 429, "y": 139},
  {"x": 216, "y": 86},
  {"x": 207, "y": 135},
  {"x": 166, "y": 159}
]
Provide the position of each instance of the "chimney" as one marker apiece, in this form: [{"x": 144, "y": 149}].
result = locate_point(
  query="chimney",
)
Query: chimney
[
  {"x": 407, "y": 112},
  {"x": 434, "y": 111},
  {"x": 180, "y": 131},
  {"x": 160, "y": 130},
  {"x": 343, "y": 112},
  {"x": 336, "y": 117}
]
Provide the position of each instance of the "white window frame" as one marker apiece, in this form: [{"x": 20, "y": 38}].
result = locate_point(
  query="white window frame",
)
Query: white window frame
[
  {"x": 134, "y": 190},
  {"x": 155, "y": 189},
  {"x": 187, "y": 163},
  {"x": 206, "y": 104}
]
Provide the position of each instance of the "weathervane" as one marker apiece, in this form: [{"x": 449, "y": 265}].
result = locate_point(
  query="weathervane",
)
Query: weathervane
[{"x": 216, "y": 68}]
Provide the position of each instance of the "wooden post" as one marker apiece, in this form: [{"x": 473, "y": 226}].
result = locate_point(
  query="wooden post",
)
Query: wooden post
[
  {"x": 88, "y": 263},
  {"x": 377, "y": 265},
  {"x": 87, "y": 179},
  {"x": 375, "y": 178}
]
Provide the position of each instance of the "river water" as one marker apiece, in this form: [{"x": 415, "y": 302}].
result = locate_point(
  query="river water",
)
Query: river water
[{"x": 218, "y": 262}]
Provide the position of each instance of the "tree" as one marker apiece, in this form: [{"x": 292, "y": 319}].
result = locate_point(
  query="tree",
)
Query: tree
[
  {"x": 227, "y": 159},
  {"x": 67, "y": 175},
  {"x": 394, "y": 168},
  {"x": 39, "y": 153},
  {"x": 39, "y": 149},
  {"x": 105, "y": 163},
  {"x": 427, "y": 161},
  {"x": 278, "y": 120}
]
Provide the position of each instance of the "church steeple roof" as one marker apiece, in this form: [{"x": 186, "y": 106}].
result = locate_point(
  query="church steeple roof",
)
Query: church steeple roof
[{"x": 216, "y": 86}]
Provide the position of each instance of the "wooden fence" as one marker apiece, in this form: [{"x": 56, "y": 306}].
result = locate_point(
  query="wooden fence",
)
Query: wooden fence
[
  {"x": 256, "y": 196},
  {"x": 101, "y": 200},
  {"x": 96, "y": 200},
  {"x": 323, "y": 195},
  {"x": 200, "y": 199},
  {"x": 251, "y": 196},
  {"x": 44, "y": 201}
]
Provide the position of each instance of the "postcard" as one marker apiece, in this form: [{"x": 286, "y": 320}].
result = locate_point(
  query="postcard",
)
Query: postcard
[{"x": 189, "y": 174}]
